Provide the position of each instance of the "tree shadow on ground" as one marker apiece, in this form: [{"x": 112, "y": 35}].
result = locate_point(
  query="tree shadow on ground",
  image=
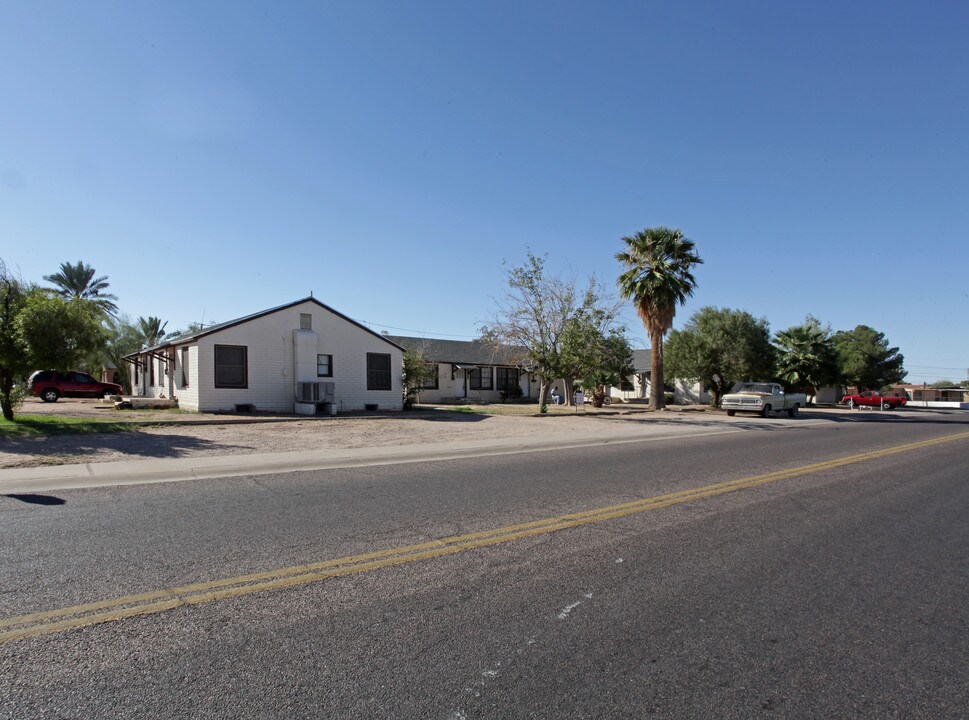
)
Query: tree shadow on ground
[
  {"x": 131, "y": 444},
  {"x": 449, "y": 416},
  {"x": 34, "y": 499}
]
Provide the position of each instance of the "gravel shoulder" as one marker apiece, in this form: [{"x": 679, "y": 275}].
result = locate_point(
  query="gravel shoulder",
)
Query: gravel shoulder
[{"x": 182, "y": 435}]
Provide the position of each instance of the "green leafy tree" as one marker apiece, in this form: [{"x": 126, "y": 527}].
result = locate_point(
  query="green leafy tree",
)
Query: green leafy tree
[
  {"x": 587, "y": 343},
  {"x": 806, "y": 359},
  {"x": 59, "y": 333},
  {"x": 122, "y": 338},
  {"x": 539, "y": 313},
  {"x": 417, "y": 370},
  {"x": 611, "y": 364},
  {"x": 719, "y": 347},
  {"x": 658, "y": 277},
  {"x": 866, "y": 360},
  {"x": 943, "y": 384},
  {"x": 39, "y": 330},
  {"x": 78, "y": 282},
  {"x": 14, "y": 362}
]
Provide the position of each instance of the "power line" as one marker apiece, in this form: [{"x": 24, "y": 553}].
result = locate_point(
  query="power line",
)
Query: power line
[{"x": 935, "y": 367}]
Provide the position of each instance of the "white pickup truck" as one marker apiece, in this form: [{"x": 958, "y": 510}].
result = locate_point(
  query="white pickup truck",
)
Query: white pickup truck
[{"x": 763, "y": 399}]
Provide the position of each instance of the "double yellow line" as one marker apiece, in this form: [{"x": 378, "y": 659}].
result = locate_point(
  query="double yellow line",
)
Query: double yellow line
[{"x": 149, "y": 603}]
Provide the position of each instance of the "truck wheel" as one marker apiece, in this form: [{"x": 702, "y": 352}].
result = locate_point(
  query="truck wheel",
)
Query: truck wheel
[
  {"x": 886, "y": 405},
  {"x": 765, "y": 412},
  {"x": 50, "y": 395},
  {"x": 792, "y": 412},
  {"x": 731, "y": 413}
]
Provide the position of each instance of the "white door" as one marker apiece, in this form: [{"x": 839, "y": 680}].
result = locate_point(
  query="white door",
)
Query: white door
[{"x": 461, "y": 384}]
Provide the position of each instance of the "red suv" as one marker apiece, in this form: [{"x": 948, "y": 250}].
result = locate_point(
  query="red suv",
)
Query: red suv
[{"x": 49, "y": 385}]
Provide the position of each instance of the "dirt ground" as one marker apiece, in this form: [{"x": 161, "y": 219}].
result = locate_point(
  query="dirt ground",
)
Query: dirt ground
[{"x": 182, "y": 434}]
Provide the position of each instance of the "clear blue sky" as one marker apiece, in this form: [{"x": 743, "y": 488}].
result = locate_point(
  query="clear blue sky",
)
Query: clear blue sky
[{"x": 218, "y": 158}]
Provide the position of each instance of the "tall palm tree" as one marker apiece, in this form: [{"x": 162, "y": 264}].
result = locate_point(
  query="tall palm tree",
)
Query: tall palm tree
[
  {"x": 78, "y": 282},
  {"x": 658, "y": 277},
  {"x": 152, "y": 330}
]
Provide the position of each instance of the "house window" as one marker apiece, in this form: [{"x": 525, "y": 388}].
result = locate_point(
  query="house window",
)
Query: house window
[
  {"x": 231, "y": 366},
  {"x": 481, "y": 379},
  {"x": 324, "y": 366},
  {"x": 305, "y": 321},
  {"x": 151, "y": 371},
  {"x": 506, "y": 378},
  {"x": 431, "y": 383},
  {"x": 378, "y": 371},
  {"x": 626, "y": 385},
  {"x": 185, "y": 367}
]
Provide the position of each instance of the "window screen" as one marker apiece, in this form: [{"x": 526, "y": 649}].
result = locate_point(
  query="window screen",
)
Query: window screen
[
  {"x": 231, "y": 366},
  {"x": 378, "y": 371}
]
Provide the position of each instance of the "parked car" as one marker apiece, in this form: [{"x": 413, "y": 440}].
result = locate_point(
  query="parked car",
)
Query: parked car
[
  {"x": 762, "y": 398},
  {"x": 873, "y": 399},
  {"x": 49, "y": 385}
]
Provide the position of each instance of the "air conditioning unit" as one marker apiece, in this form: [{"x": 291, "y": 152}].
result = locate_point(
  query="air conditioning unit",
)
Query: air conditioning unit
[{"x": 315, "y": 392}]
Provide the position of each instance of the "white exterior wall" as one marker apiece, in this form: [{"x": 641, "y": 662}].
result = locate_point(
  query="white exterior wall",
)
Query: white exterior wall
[
  {"x": 188, "y": 397},
  {"x": 271, "y": 363},
  {"x": 686, "y": 392},
  {"x": 937, "y": 404},
  {"x": 448, "y": 389}
]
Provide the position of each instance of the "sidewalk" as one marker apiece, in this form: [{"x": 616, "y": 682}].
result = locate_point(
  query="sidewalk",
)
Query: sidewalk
[{"x": 144, "y": 471}]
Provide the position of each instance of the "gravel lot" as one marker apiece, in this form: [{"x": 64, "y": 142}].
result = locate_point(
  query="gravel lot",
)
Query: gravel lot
[{"x": 192, "y": 435}]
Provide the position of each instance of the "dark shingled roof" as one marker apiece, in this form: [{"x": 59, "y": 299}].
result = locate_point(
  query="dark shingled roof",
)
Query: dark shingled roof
[
  {"x": 641, "y": 361},
  {"x": 469, "y": 352}
]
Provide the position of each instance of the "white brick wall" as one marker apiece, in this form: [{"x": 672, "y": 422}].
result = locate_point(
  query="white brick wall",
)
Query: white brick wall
[{"x": 188, "y": 397}]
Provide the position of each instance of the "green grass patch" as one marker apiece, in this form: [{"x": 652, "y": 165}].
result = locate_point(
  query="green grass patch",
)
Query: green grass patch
[{"x": 25, "y": 426}]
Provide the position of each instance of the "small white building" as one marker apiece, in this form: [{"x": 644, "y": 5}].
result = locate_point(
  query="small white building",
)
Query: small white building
[{"x": 261, "y": 362}]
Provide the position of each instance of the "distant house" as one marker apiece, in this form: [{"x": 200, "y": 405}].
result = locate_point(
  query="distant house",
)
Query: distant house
[
  {"x": 636, "y": 386},
  {"x": 261, "y": 361},
  {"x": 922, "y": 395},
  {"x": 472, "y": 371}
]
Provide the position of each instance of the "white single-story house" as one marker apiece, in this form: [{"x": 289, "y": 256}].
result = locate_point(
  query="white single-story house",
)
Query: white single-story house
[
  {"x": 471, "y": 371},
  {"x": 304, "y": 350}
]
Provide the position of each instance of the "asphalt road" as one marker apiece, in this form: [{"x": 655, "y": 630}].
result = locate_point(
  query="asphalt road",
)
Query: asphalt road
[{"x": 837, "y": 589}]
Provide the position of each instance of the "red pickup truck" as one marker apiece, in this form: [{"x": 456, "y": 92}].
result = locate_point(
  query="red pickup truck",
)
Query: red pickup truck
[{"x": 873, "y": 399}]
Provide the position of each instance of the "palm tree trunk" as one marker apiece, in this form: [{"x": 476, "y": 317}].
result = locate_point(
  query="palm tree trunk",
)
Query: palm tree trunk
[{"x": 657, "y": 396}]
